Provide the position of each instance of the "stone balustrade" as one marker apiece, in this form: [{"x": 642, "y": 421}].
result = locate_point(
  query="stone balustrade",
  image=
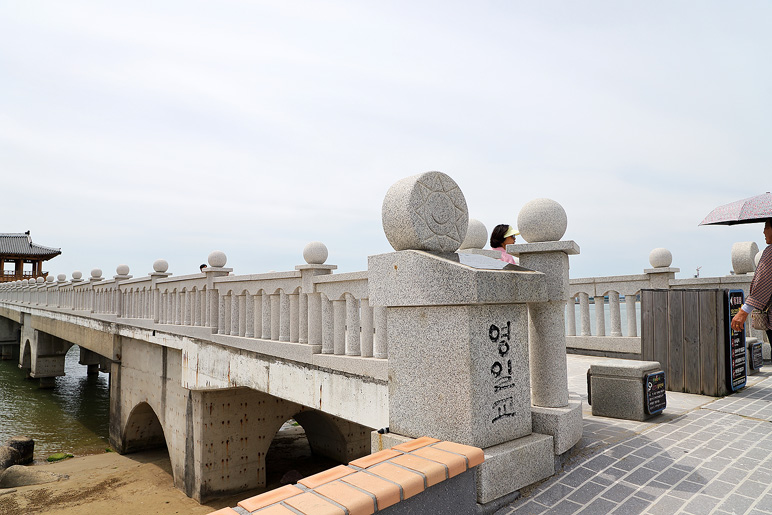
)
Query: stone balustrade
[{"x": 308, "y": 305}]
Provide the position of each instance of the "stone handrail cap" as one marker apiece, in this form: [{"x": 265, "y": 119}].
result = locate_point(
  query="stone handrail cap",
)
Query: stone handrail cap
[
  {"x": 425, "y": 212},
  {"x": 476, "y": 235},
  {"x": 567, "y": 246},
  {"x": 217, "y": 259},
  {"x": 61, "y": 278},
  {"x": 77, "y": 275},
  {"x": 96, "y": 273},
  {"x": 664, "y": 270},
  {"x": 541, "y": 220},
  {"x": 660, "y": 258},
  {"x": 50, "y": 279},
  {"x": 315, "y": 253},
  {"x": 122, "y": 270},
  {"x": 40, "y": 280}
]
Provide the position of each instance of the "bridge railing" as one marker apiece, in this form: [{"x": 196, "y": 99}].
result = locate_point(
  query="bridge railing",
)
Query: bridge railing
[
  {"x": 309, "y": 305},
  {"x": 588, "y": 291}
]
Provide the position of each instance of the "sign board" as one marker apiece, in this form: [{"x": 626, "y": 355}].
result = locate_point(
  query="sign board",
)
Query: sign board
[
  {"x": 757, "y": 358},
  {"x": 736, "y": 371},
  {"x": 654, "y": 392}
]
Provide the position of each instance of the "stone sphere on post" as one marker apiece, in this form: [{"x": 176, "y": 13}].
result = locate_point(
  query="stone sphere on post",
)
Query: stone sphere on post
[
  {"x": 660, "y": 258},
  {"x": 476, "y": 235},
  {"x": 217, "y": 259},
  {"x": 61, "y": 278},
  {"x": 40, "y": 280},
  {"x": 743, "y": 257},
  {"x": 50, "y": 279},
  {"x": 96, "y": 273},
  {"x": 425, "y": 212},
  {"x": 315, "y": 253},
  {"x": 122, "y": 270},
  {"x": 160, "y": 266},
  {"x": 77, "y": 275},
  {"x": 541, "y": 220}
]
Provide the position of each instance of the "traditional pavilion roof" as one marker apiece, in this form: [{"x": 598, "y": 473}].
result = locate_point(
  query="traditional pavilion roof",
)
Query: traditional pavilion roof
[{"x": 20, "y": 245}]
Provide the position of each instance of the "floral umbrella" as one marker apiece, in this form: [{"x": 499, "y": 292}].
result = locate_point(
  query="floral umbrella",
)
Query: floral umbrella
[{"x": 745, "y": 211}]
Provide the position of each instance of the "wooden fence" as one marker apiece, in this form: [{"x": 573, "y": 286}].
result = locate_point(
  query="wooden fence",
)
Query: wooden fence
[{"x": 686, "y": 331}]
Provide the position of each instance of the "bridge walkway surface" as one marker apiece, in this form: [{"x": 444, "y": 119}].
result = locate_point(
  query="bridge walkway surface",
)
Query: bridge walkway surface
[{"x": 701, "y": 455}]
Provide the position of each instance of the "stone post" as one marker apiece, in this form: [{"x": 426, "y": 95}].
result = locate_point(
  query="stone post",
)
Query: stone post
[
  {"x": 122, "y": 273},
  {"x": 315, "y": 254},
  {"x": 542, "y": 222},
  {"x": 160, "y": 267},
  {"x": 217, "y": 260},
  {"x": 96, "y": 276},
  {"x": 457, "y": 326}
]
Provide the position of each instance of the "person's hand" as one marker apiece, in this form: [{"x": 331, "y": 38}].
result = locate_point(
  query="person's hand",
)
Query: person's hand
[{"x": 739, "y": 320}]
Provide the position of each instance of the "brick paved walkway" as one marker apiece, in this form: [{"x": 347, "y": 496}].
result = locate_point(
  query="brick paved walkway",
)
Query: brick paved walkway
[{"x": 703, "y": 455}]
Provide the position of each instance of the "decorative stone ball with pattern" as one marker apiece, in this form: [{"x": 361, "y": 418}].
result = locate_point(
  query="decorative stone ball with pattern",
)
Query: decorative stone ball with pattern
[
  {"x": 744, "y": 257},
  {"x": 160, "y": 266},
  {"x": 50, "y": 279},
  {"x": 425, "y": 212},
  {"x": 61, "y": 278},
  {"x": 476, "y": 235},
  {"x": 217, "y": 259},
  {"x": 542, "y": 219},
  {"x": 77, "y": 275},
  {"x": 315, "y": 253},
  {"x": 122, "y": 270},
  {"x": 40, "y": 280},
  {"x": 660, "y": 258},
  {"x": 96, "y": 273}
]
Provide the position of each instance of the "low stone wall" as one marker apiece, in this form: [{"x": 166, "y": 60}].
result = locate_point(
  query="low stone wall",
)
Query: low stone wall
[{"x": 421, "y": 475}]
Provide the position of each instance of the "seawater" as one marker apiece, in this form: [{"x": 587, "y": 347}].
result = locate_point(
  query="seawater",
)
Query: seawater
[{"x": 71, "y": 417}]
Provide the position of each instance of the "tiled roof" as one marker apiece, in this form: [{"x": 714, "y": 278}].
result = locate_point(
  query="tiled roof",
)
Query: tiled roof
[{"x": 20, "y": 244}]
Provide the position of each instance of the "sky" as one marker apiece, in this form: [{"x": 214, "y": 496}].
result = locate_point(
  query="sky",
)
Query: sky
[{"x": 133, "y": 131}]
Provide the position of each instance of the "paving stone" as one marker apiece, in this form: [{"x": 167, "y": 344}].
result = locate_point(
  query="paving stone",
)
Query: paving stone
[
  {"x": 632, "y": 506},
  {"x": 701, "y": 504},
  {"x": 587, "y": 492},
  {"x": 671, "y": 476},
  {"x": 640, "y": 476},
  {"x": 752, "y": 489},
  {"x": 554, "y": 494},
  {"x": 667, "y": 505},
  {"x": 577, "y": 477},
  {"x": 598, "y": 506},
  {"x": 736, "y": 503},
  {"x": 618, "y": 492}
]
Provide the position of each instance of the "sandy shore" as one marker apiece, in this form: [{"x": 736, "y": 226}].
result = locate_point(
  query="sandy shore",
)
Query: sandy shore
[{"x": 139, "y": 483}]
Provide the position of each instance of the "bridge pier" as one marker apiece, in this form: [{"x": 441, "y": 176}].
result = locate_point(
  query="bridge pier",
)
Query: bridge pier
[
  {"x": 9, "y": 339},
  {"x": 42, "y": 354},
  {"x": 217, "y": 438}
]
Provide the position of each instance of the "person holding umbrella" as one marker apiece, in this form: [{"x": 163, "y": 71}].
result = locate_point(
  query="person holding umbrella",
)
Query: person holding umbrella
[{"x": 761, "y": 286}]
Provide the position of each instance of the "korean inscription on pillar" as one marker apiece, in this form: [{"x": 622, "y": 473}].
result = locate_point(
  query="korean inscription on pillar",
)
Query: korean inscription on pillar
[{"x": 501, "y": 371}]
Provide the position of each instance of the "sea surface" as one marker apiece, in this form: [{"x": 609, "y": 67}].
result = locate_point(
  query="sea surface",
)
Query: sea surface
[{"x": 72, "y": 417}]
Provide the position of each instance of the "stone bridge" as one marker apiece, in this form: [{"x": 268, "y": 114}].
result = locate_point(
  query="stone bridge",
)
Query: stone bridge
[{"x": 211, "y": 364}]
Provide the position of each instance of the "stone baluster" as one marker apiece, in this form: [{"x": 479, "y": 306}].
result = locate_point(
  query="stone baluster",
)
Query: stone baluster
[
  {"x": 600, "y": 315},
  {"x": 267, "y": 325},
  {"x": 367, "y": 329},
  {"x": 571, "y": 317},
  {"x": 615, "y": 313},
  {"x": 353, "y": 336},
  {"x": 242, "y": 314},
  {"x": 249, "y": 315},
  {"x": 275, "y": 320},
  {"x": 235, "y": 313},
  {"x": 187, "y": 295},
  {"x": 380, "y": 337},
  {"x": 227, "y": 313},
  {"x": 284, "y": 316},
  {"x": 339, "y": 326},
  {"x": 584, "y": 312},
  {"x": 315, "y": 319},
  {"x": 303, "y": 318},
  {"x": 328, "y": 326},
  {"x": 632, "y": 322},
  {"x": 258, "y": 314},
  {"x": 293, "y": 317},
  {"x": 96, "y": 276}
]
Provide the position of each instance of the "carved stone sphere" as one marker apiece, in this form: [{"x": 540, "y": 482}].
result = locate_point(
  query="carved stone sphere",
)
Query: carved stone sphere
[
  {"x": 315, "y": 253},
  {"x": 96, "y": 273},
  {"x": 122, "y": 270},
  {"x": 160, "y": 266},
  {"x": 425, "y": 212},
  {"x": 660, "y": 258},
  {"x": 61, "y": 278},
  {"x": 77, "y": 274},
  {"x": 217, "y": 259},
  {"x": 744, "y": 256},
  {"x": 40, "y": 280},
  {"x": 476, "y": 235},
  {"x": 542, "y": 219}
]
